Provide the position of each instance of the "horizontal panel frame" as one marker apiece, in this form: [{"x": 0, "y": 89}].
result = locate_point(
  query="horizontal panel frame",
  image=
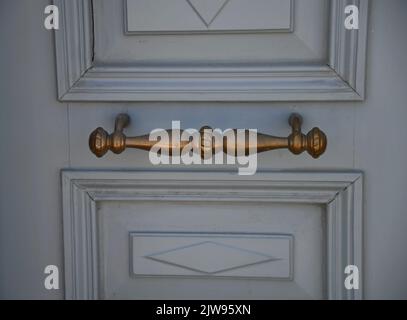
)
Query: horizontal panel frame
[{"x": 341, "y": 193}]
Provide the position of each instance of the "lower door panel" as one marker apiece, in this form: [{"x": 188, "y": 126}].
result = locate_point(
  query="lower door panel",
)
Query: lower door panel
[
  {"x": 198, "y": 250},
  {"x": 169, "y": 235}
]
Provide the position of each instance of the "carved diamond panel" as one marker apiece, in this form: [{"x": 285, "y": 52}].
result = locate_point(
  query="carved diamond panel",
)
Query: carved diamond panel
[
  {"x": 208, "y": 10},
  {"x": 163, "y": 16},
  {"x": 197, "y": 254},
  {"x": 195, "y": 257}
]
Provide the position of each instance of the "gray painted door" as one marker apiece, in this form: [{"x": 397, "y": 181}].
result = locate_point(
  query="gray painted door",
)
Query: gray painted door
[{"x": 120, "y": 227}]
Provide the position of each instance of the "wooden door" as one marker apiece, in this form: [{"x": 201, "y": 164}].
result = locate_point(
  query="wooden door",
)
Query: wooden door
[
  {"x": 265, "y": 236},
  {"x": 122, "y": 227}
]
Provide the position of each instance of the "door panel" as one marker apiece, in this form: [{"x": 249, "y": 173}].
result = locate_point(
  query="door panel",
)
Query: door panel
[
  {"x": 316, "y": 58},
  {"x": 203, "y": 16},
  {"x": 211, "y": 254},
  {"x": 240, "y": 251},
  {"x": 179, "y": 235},
  {"x": 238, "y": 34}
]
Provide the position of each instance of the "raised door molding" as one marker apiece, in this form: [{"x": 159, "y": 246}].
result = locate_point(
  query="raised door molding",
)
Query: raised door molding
[
  {"x": 341, "y": 78},
  {"x": 200, "y": 254},
  {"x": 340, "y": 193}
]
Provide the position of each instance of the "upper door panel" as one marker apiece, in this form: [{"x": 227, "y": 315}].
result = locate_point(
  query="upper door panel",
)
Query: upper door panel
[
  {"x": 218, "y": 50},
  {"x": 177, "y": 16},
  {"x": 162, "y": 34}
]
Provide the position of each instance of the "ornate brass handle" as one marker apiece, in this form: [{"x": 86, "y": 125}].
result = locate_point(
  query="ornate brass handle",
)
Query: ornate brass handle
[{"x": 315, "y": 142}]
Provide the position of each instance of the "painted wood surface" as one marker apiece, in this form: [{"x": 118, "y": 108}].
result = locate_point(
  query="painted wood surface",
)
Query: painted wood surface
[
  {"x": 333, "y": 78},
  {"x": 30, "y": 198},
  {"x": 340, "y": 193}
]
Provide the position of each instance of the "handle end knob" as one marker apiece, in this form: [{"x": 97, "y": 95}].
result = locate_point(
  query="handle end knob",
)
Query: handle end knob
[
  {"x": 99, "y": 142},
  {"x": 316, "y": 142}
]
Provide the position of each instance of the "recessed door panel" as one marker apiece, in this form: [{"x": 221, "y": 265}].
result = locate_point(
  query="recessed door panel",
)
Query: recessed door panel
[
  {"x": 140, "y": 33},
  {"x": 176, "y": 16},
  {"x": 199, "y": 254},
  {"x": 211, "y": 251},
  {"x": 180, "y": 235},
  {"x": 218, "y": 50}
]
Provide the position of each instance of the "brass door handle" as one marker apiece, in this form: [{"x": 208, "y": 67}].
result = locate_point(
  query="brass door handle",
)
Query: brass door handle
[{"x": 315, "y": 142}]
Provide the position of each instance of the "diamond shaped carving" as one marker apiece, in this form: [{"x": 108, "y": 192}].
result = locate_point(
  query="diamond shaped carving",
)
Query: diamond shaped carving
[
  {"x": 207, "y": 10},
  {"x": 211, "y": 257}
]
